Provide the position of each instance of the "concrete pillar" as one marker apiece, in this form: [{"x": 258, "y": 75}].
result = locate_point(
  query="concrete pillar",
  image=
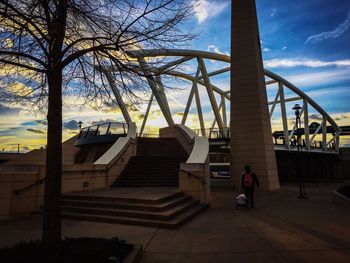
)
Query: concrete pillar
[{"x": 251, "y": 138}]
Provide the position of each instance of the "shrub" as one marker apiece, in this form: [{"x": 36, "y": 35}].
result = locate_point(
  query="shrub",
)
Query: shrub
[{"x": 73, "y": 250}]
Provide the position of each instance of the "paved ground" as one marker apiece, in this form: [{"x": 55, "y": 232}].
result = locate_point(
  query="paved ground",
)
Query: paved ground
[{"x": 281, "y": 229}]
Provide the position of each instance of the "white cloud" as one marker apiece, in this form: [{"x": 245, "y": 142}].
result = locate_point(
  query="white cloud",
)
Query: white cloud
[
  {"x": 318, "y": 78},
  {"x": 266, "y": 49},
  {"x": 177, "y": 102},
  {"x": 323, "y": 93},
  {"x": 337, "y": 32},
  {"x": 215, "y": 49},
  {"x": 311, "y": 63},
  {"x": 206, "y": 8},
  {"x": 273, "y": 12},
  {"x": 284, "y": 48}
]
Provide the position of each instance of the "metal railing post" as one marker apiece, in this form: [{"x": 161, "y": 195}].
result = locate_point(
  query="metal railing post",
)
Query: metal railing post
[
  {"x": 98, "y": 126},
  {"x": 109, "y": 126},
  {"x": 87, "y": 132}
]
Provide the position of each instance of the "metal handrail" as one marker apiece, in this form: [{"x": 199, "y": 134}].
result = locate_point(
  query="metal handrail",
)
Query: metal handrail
[
  {"x": 194, "y": 176},
  {"x": 17, "y": 192}
]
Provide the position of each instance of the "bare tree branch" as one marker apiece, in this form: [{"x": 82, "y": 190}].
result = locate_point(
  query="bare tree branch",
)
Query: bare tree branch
[
  {"x": 23, "y": 55},
  {"x": 18, "y": 64},
  {"x": 57, "y": 47}
]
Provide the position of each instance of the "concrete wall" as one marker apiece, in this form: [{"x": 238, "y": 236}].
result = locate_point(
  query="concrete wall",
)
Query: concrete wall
[
  {"x": 118, "y": 165},
  {"x": 194, "y": 180},
  {"x": 11, "y": 204},
  {"x": 38, "y": 156},
  {"x": 75, "y": 178},
  {"x": 312, "y": 166},
  {"x": 5, "y": 157},
  {"x": 174, "y": 132},
  {"x": 194, "y": 175},
  {"x": 345, "y": 153}
]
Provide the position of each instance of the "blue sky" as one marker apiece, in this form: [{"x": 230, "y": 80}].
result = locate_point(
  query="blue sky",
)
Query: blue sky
[
  {"x": 306, "y": 42},
  {"x": 309, "y": 39}
]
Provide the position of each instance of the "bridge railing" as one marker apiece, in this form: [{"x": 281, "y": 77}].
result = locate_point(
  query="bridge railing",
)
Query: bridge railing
[
  {"x": 315, "y": 145},
  {"x": 214, "y": 133},
  {"x": 107, "y": 128},
  {"x": 148, "y": 135},
  {"x": 107, "y": 132}
]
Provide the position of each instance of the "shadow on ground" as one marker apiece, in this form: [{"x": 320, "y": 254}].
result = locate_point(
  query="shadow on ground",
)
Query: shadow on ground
[{"x": 281, "y": 229}]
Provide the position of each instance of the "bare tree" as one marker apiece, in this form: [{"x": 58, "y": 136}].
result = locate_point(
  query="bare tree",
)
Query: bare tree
[{"x": 50, "y": 47}]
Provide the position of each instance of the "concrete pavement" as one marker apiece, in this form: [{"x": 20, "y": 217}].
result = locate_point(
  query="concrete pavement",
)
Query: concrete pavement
[{"x": 281, "y": 229}]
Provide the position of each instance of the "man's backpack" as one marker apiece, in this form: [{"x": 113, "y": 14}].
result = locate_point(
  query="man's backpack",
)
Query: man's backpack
[{"x": 248, "y": 180}]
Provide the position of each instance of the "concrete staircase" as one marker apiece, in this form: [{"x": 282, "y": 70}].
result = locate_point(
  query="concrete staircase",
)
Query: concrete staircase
[
  {"x": 156, "y": 163},
  {"x": 169, "y": 211},
  {"x": 151, "y": 171}
]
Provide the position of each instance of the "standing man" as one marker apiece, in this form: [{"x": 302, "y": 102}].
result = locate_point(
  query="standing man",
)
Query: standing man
[{"x": 248, "y": 182}]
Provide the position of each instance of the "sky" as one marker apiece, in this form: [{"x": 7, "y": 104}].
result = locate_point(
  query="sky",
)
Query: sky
[{"x": 305, "y": 42}]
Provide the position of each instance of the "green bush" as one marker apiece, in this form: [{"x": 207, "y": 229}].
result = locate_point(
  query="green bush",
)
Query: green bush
[{"x": 73, "y": 250}]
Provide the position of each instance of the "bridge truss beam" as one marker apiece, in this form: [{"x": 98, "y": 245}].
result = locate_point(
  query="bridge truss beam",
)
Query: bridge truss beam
[{"x": 202, "y": 78}]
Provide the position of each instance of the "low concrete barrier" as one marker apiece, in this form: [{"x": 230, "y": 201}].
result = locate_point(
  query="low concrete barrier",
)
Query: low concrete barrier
[
  {"x": 11, "y": 180},
  {"x": 118, "y": 148},
  {"x": 22, "y": 186},
  {"x": 340, "y": 199},
  {"x": 194, "y": 174}
]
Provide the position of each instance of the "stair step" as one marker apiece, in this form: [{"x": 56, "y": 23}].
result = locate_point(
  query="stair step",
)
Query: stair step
[
  {"x": 164, "y": 172},
  {"x": 100, "y": 198},
  {"x": 143, "y": 158},
  {"x": 144, "y": 183},
  {"x": 141, "y": 177},
  {"x": 133, "y": 178},
  {"x": 157, "y": 173},
  {"x": 146, "y": 159},
  {"x": 150, "y": 179},
  {"x": 151, "y": 165},
  {"x": 128, "y": 206},
  {"x": 154, "y": 169},
  {"x": 154, "y": 164},
  {"x": 172, "y": 223},
  {"x": 155, "y": 182},
  {"x": 163, "y": 215},
  {"x": 127, "y": 184},
  {"x": 159, "y": 146}
]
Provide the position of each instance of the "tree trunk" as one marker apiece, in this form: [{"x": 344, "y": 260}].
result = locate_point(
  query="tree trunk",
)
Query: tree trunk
[{"x": 52, "y": 197}]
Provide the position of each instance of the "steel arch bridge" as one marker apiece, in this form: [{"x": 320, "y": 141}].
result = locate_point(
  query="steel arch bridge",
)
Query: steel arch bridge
[{"x": 202, "y": 77}]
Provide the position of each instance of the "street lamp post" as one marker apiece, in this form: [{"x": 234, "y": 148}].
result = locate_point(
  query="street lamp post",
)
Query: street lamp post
[{"x": 302, "y": 193}]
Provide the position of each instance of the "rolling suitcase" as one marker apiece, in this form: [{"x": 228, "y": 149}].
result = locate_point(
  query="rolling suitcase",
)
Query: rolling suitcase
[{"x": 241, "y": 201}]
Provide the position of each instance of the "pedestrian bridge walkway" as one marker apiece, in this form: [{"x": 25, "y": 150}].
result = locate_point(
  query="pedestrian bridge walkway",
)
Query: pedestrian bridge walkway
[{"x": 222, "y": 137}]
